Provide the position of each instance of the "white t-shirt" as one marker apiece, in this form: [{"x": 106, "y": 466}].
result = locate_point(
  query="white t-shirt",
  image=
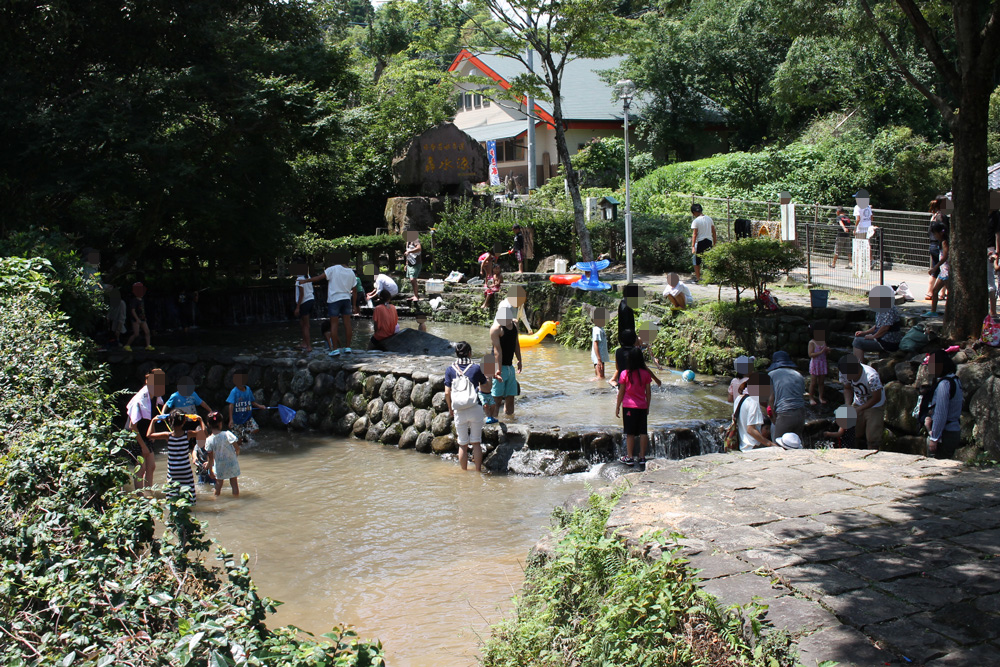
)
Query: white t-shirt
[
  {"x": 385, "y": 283},
  {"x": 681, "y": 288},
  {"x": 750, "y": 415},
  {"x": 307, "y": 289},
  {"x": 704, "y": 225},
  {"x": 866, "y": 217},
  {"x": 865, "y": 386},
  {"x": 141, "y": 407},
  {"x": 340, "y": 281}
]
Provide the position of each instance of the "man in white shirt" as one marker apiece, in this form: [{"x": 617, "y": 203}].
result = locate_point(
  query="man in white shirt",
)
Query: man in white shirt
[
  {"x": 677, "y": 292},
  {"x": 341, "y": 291},
  {"x": 383, "y": 283},
  {"x": 753, "y": 426},
  {"x": 702, "y": 237},
  {"x": 863, "y": 389}
]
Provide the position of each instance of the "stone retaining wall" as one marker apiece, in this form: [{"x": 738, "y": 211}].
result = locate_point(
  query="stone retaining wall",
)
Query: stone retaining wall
[{"x": 394, "y": 400}]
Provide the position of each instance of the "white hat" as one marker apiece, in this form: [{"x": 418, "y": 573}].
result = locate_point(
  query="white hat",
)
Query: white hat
[{"x": 790, "y": 441}]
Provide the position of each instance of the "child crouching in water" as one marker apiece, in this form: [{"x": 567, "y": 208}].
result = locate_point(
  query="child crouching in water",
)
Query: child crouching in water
[
  {"x": 223, "y": 450},
  {"x": 634, "y": 394}
]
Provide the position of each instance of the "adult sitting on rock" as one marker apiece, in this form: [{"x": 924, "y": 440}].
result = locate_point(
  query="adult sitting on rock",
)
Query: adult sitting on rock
[
  {"x": 787, "y": 390},
  {"x": 504, "y": 336},
  {"x": 752, "y": 424},
  {"x": 863, "y": 389},
  {"x": 945, "y": 409},
  {"x": 887, "y": 332}
]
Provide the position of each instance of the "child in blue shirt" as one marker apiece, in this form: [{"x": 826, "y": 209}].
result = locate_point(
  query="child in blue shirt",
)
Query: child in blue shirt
[
  {"x": 241, "y": 404},
  {"x": 185, "y": 399}
]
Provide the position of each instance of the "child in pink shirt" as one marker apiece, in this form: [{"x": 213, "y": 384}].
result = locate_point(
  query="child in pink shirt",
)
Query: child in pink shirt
[{"x": 634, "y": 394}]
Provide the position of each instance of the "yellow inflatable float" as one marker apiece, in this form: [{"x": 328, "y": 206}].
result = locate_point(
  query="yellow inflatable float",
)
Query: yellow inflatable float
[{"x": 536, "y": 338}]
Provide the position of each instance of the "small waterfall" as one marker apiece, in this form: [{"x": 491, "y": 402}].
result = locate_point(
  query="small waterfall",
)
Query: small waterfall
[{"x": 680, "y": 440}]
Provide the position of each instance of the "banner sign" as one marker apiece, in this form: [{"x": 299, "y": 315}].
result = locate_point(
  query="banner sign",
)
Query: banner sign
[{"x": 491, "y": 152}]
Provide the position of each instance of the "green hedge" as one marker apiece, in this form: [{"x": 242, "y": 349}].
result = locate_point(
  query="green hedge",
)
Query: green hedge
[
  {"x": 901, "y": 170},
  {"x": 465, "y": 232},
  {"x": 86, "y": 577}
]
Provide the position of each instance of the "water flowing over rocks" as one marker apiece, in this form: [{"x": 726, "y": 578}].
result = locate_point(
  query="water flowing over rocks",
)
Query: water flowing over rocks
[{"x": 399, "y": 400}]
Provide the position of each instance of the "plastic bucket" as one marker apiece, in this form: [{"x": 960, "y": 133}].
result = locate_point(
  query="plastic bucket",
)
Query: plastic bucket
[
  {"x": 434, "y": 286},
  {"x": 819, "y": 297},
  {"x": 561, "y": 266}
]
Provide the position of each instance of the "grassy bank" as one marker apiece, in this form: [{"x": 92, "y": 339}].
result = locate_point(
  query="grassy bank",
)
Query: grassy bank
[
  {"x": 85, "y": 578},
  {"x": 590, "y": 602}
]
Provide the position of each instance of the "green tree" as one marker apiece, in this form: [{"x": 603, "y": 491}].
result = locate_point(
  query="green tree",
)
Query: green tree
[
  {"x": 750, "y": 263},
  {"x": 963, "y": 43},
  {"x": 167, "y": 130},
  {"x": 559, "y": 32}
]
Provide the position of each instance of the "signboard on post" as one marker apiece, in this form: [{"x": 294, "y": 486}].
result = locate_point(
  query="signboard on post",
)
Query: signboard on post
[{"x": 491, "y": 154}]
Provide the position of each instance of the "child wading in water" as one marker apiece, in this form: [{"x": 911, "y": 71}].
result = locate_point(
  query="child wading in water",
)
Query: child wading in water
[
  {"x": 599, "y": 343},
  {"x": 817, "y": 365},
  {"x": 241, "y": 405},
  {"x": 634, "y": 394},
  {"x": 223, "y": 449},
  {"x": 179, "y": 449}
]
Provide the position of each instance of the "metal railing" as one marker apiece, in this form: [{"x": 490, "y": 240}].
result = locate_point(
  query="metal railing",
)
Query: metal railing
[{"x": 899, "y": 247}]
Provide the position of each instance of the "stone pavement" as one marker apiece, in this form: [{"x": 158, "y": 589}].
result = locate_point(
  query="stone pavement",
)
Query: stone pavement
[{"x": 866, "y": 558}]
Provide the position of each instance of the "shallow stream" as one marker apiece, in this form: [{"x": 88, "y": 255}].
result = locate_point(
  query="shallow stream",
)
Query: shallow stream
[{"x": 403, "y": 546}]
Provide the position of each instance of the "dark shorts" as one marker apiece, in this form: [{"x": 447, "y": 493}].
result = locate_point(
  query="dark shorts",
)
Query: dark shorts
[
  {"x": 950, "y": 441},
  {"x": 702, "y": 246},
  {"x": 634, "y": 420},
  {"x": 374, "y": 344},
  {"x": 340, "y": 308},
  {"x": 306, "y": 308},
  {"x": 519, "y": 256},
  {"x": 131, "y": 450}
]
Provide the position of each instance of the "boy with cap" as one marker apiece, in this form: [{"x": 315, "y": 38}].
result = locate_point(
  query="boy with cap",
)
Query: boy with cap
[{"x": 702, "y": 237}]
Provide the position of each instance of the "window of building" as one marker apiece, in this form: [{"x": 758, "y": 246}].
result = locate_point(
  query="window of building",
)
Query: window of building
[
  {"x": 486, "y": 102},
  {"x": 477, "y": 100},
  {"x": 509, "y": 150},
  {"x": 468, "y": 101}
]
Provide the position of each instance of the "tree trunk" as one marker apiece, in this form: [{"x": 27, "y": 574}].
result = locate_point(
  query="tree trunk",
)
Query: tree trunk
[
  {"x": 967, "y": 292},
  {"x": 573, "y": 182}
]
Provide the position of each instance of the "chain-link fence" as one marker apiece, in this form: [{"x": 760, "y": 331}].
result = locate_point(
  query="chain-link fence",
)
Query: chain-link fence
[{"x": 896, "y": 251}]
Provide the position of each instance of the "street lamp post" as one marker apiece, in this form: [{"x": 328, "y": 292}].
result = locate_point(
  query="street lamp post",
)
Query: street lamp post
[{"x": 626, "y": 91}]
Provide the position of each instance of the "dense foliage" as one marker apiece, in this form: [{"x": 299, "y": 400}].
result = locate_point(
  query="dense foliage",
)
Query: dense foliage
[
  {"x": 750, "y": 263},
  {"x": 592, "y": 602},
  {"x": 464, "y": 233},
  {"x": 902, "y": 170},
  {"x": 86, "y": 575}
]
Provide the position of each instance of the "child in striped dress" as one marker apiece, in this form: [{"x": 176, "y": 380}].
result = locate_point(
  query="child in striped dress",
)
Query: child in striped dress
[{"x": 179, "y": 449}]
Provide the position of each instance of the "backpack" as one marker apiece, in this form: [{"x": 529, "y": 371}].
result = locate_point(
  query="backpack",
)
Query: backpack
[
  {"x": 915, "y": 339},
  {"x": 463, "y": 392},
  {"x": 732, "y": 439}
]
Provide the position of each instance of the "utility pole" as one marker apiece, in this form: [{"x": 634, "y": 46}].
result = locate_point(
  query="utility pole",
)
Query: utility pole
[{"x": 532, "y": 174}]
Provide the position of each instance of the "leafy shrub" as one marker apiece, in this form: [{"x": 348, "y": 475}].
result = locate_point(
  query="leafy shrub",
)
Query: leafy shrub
[
  {"x": 660, "y": 243},
  {"x": 464, "y": 233},
  {"x": 751, "y": 262},
  {"x": 85, "y": 578},
  {"x": 901, "y": 170},
  {"x": 690, "y": 338},
  {"x": 594, "y": 603},
  {"x": 55, "y": 268},
  {"x": 601, "y": 163}
]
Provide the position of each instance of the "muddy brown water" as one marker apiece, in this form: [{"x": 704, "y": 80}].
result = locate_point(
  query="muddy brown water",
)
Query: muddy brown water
[{"x": 403, "y": 546}]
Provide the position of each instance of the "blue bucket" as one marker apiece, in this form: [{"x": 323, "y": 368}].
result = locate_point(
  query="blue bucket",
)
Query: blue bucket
[{"x": 819, "y": 297}]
